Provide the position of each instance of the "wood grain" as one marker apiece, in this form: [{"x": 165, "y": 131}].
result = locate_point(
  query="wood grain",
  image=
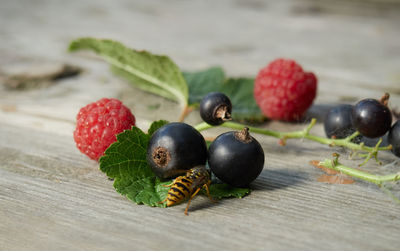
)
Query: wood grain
[{"x": 54, "y": 198}]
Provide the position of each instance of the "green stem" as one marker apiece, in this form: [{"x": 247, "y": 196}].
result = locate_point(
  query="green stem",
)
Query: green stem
[
  {"x": 376, "y": 179},
  {"x": 303, "y": 134}
]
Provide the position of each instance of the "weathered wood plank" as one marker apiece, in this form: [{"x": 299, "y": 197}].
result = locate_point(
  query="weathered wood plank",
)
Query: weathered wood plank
[
  {"x": 53, "y": 197},
  {"x": 55, "y": 192}
]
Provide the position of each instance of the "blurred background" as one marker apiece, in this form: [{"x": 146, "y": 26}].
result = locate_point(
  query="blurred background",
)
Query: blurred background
[
  {"x": 351, "y": 45},
  {"x": 52, "y": 196}
]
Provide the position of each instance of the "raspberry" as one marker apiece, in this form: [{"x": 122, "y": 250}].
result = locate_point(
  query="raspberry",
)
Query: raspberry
[
  {"x": 98, "y": 123},
  {"x": 283, "y": 91}
]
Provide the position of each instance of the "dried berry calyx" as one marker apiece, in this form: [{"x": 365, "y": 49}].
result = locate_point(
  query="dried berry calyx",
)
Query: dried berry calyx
[
  {"x": 215, "y": 108},
  {"x": 385, "y": 99},
  {"x": 244, "y": 135},
  {"x": 223, "y": 112},
  {"x": 161, "y": 156}
]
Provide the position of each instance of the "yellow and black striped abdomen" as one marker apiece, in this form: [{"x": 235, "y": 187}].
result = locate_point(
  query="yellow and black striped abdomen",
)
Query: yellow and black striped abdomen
[{"x": 180, "y": 190}]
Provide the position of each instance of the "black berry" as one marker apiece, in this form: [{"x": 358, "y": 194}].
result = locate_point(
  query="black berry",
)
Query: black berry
[
  {"x": 371, "y": 118},
  {"x": 174, "y": 148},
  {"x": 215, "y": 108},
  {"x": 373, "y": 141},
  {"x": 236, "y": 158},
  {"x": 394, "y": 138},
  {"x": 338, "y": 122}
]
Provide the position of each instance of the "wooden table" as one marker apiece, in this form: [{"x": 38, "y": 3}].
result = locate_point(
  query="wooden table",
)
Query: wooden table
[{"x": 54, "y": 198}]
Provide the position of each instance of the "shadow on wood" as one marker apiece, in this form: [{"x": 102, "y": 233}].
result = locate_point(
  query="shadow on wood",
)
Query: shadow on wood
[{"x": 278, "y": 179}]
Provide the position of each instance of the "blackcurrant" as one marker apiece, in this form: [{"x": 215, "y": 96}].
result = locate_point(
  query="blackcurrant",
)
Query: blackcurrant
[
  {"x": 394, "y": 138},
  {"x": 236, "y": 158},
  {"x": 215, "y": 108},
  {"x": 371, "y": 118},
  {"x": 175, "y": 148},
  {"x": 373, "y": 141},
  {"x": 338, "y": 122}
]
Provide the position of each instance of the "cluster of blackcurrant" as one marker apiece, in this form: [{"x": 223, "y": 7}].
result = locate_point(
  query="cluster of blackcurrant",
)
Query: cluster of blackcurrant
[
  {"x": 235, "y": 157},
  {"x": 370, "y": 117}
]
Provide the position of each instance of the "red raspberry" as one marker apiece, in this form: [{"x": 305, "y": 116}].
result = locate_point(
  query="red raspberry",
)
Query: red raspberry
[
  {"x": 283, "y": 90},
  {"x": 98, "y": 123}
]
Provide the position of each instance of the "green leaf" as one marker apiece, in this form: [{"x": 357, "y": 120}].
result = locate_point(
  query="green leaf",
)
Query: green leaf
[
  {"x": 152, "y": 73},
  {"x": 202, "y": 82},
  {"x": 142, "y": 84},
  {"x": 155, "y": 125},
  {"x": 127, "y": 156},
  {"x": 125, "y": 162},
  {"x": 239, "y": 90},
  {"x": 149, "y": 191},
  {"x": 219, "y": 191}
]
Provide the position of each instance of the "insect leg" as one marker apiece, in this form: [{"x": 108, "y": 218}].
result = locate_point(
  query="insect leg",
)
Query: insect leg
[
  {"x": 208, "y": 193},
  {"x": 170, "y": 185},
  {"x": 191, "y": 197},
  {"x": 162, "y": 202}
]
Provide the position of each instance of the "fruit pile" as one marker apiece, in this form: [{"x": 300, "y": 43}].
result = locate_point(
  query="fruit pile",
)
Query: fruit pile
[
  {"x": 142, "y": 164},
  {"x": 235, "y": 157},
  {"x": 369, "y": 117},
  {"x": 177, "y": 149}
]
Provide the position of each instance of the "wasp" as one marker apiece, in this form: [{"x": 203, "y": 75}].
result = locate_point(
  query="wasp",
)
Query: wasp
[{"x": 188, "y": 186}]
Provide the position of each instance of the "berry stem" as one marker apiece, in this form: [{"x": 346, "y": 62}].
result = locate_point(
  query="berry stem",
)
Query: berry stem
[
  {"x": 376, "y": 179},
  {"x": 353, "y": 136},
  {"x": 185, "y": 111},
  {"x": 385, "y": 99},
  {"x": 303, "y": 134}
]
